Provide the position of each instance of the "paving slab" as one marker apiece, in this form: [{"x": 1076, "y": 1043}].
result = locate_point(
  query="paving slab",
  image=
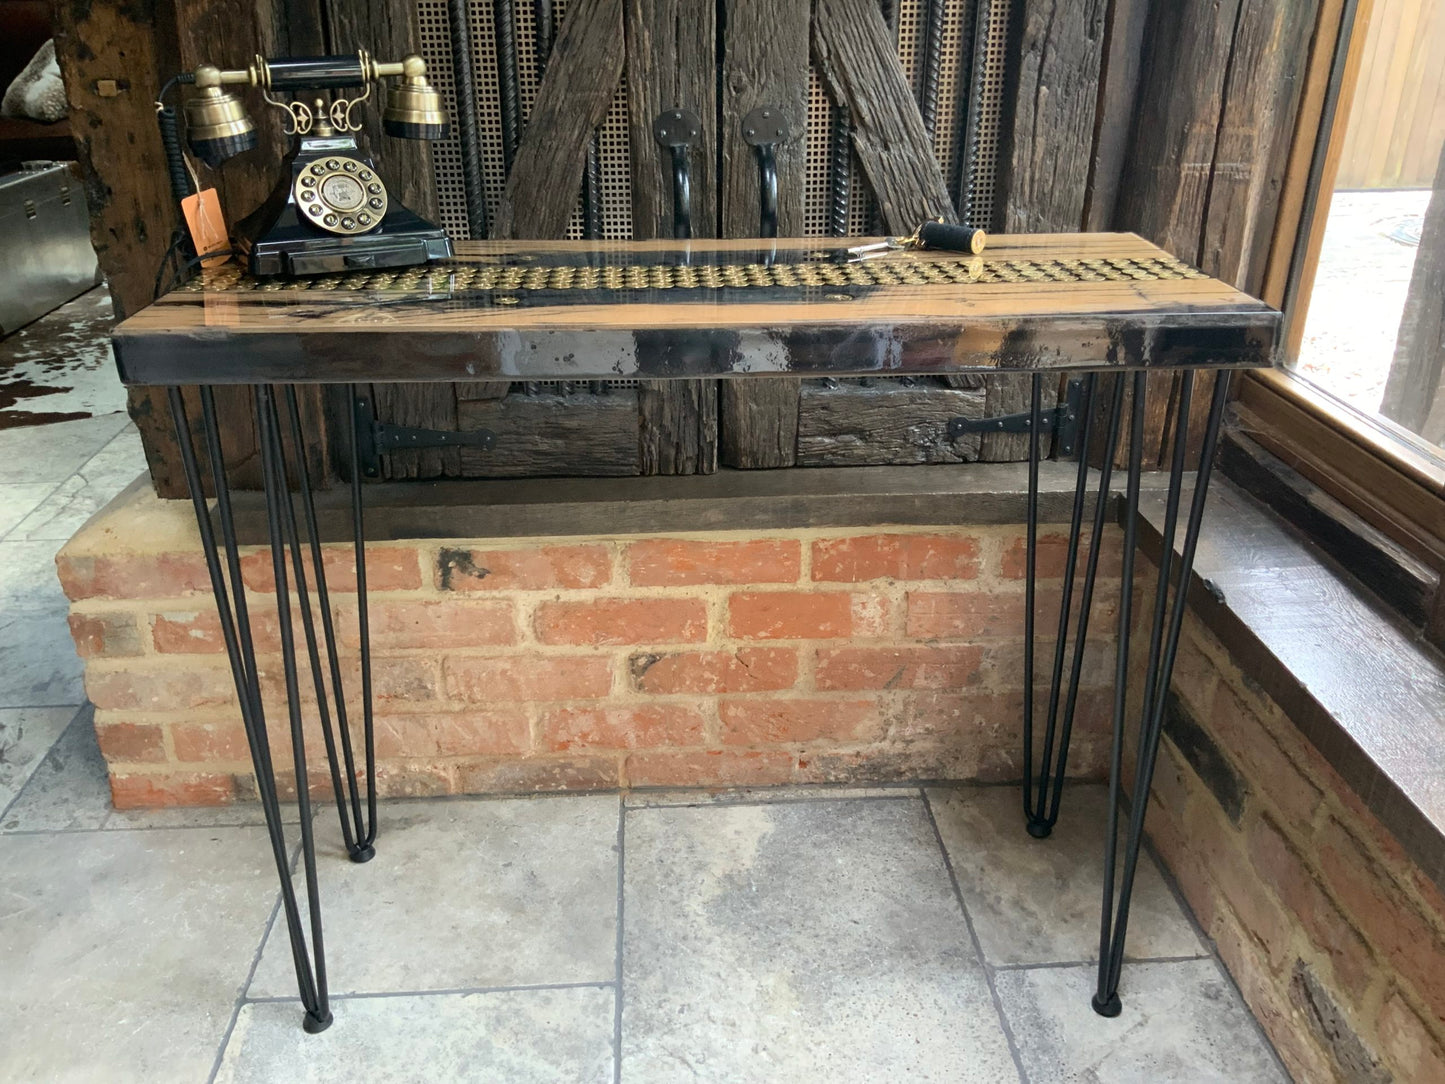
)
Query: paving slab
[
  {"x": 1183, "y": 1023},
  {"x": 467, "y": 894},
  {"x": 26, "y": 736},
  {"x": 506, "y": 1037},
  {"x": 124, "y": 952},
  {"x": 1037, "y": 900},
  {"x": 799, "y": 941}
]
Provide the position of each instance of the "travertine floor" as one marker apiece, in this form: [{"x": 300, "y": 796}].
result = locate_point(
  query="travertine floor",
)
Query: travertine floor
[{"x": 803, "y": 935}]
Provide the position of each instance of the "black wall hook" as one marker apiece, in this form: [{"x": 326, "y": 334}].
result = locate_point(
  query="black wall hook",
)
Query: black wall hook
[
  {"x": 677, "y": 130},
  {"x": 763, "y": 129}
]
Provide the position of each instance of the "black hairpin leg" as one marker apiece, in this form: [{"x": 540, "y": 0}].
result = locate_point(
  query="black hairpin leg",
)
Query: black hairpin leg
[
  {"x": 1163, "y": 647},
  {"x": 1043, "y": 786},
  {"x": 231, "y": 605}
]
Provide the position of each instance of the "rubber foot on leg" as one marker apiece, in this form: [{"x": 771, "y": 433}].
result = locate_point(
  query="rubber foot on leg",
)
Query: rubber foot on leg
[
  {"x": 1110, "y": 1007},
  {"x": 363, "y": 854},
  {"x": 1040, "y": 829},
  {"x": 314, "y": 1025}
]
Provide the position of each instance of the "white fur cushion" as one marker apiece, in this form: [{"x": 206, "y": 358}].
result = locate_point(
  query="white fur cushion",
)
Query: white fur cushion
[{"x": 37, "y": 92}]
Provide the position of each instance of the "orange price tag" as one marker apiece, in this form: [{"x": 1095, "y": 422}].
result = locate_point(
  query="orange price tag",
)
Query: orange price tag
[{"x": 207, "y": 225}]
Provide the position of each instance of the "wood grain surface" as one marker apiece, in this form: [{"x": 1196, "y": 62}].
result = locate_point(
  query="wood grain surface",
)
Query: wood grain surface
[{"x": 433, "y": 333}]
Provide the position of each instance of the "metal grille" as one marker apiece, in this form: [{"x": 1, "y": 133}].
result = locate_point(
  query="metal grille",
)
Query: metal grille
[
  {"x": 613, "y": 140},
  {"x": 948, "y": 142},
  {"x": 461, "y": 278}
]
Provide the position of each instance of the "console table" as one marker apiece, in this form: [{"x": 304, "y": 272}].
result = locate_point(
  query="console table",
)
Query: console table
[{"x": 1092, "y": 304}]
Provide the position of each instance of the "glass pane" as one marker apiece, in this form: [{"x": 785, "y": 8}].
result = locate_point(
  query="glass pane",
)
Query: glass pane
[{"x": 1373, "y": 330}]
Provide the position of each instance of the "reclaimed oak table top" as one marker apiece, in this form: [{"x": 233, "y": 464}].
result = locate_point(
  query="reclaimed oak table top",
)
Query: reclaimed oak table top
[{"x": 584, "y": 310}]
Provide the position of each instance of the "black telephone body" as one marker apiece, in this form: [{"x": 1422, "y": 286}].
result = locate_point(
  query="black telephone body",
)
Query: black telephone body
[{"x": 331, "y": 210}]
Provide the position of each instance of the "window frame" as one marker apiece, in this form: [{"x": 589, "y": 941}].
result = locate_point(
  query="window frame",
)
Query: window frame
[{"x": 1380, "y": 472}]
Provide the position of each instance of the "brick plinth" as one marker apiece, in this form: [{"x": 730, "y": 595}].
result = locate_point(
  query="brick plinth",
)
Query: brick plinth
[
  {"x": 1335, "y": 937},
  {"x": 709, "y": 659}
]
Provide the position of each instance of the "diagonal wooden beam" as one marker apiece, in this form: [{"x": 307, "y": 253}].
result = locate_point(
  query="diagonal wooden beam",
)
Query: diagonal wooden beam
[
  {"x": 854, "y": 53},
  {"x": 578, "y": 87}
]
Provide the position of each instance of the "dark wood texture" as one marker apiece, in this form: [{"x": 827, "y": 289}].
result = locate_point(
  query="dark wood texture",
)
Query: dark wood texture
[
  {"x": 424, "y": 406},
  {"x": 858, "y": 63},
  {"x": 878, "y": 422},
  {"x": 672, "y": 64},
  {"x": 579, "y": 84},
  {"x": 764, "y": 62},
  {"x": 1415, "y": 389},
  {"x": 1055, "y": 90},
  {"x": 1119, "y": 65},
  {"x": 427, "y": 333},
  {"x": 540, "y": 434}
]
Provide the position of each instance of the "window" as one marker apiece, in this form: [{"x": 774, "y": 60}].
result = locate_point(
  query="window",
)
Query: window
[{"x": 1360, "y": 407}]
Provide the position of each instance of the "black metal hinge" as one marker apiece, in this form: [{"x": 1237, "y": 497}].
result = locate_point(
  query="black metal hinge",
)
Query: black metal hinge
[
  {"x": 375, "y": 439},
  {"x": 1063, "y": 421}
]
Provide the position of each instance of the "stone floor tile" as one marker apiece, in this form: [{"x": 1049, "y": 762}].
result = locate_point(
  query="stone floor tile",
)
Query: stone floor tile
[
  {"x": 123, "y": 952},
  {"x": 18, "y": 500},
  {"x": 68, "y": 789},
  {"x": 799, "y": 941},
  {"x": 1182, "y": 1023},
  {"x": 685, "y": 796},
  {"x": 1037, "y": 900},
  {"x": 503, "y": 1037},
  {"x": 26, "y": 735},
  {"x": 38, "y": 663},
  {"x": 466, "y": 894},
  {"x": 87, "y": 491},
  {"x": 28, "y": 580},
  {"x": 52, "y": 453}
]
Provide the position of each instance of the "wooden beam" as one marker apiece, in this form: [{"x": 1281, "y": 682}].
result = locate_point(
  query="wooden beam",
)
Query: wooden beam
[
  {"x": 576, "y": 91},
  {"x": 1049, "y": 149},
  {"x": 856, "y": 59},
  {"x": 672, "y": 64},
  {"x": 1114, "y": 115},
  {"x": 765, "y": 62}
]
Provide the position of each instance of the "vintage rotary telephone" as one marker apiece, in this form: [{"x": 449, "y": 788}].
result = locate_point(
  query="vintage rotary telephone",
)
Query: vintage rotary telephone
[{"x": 330, "y": 210}]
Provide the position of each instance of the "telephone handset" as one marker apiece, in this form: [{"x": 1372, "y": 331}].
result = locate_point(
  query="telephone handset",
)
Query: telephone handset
[{"x": 330, "y": 210}]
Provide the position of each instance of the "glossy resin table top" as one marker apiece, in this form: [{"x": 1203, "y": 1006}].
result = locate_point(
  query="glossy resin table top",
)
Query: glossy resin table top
[{"x": 572, "y": 310}]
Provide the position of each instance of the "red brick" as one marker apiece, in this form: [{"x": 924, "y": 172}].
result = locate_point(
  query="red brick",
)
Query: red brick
[
  {"x": 493, "y": 732},
  {"x": 643, "y": 727},
  {"x": 759, "y": 721},
  {"x": 171, "y": 789},
  {"x": 622, "y": 621},
  {"x": 897, "y": 667},
  {"x": 198, "y": 632},
  {"x": 130, "y": 742},
  {"x": 165, "y": 689},
  {"x": 534, "y": 568},
  {"x": 527, "y": 677},
  {"x": 388, "y": 568},
  {"x": 1411, "y": 1050},
  {"x": 531, "y": 775},
  {"x": 896, "y": 556},
  {"x": 1281, "y": 867},
  {"x": 110, "y": 635},
  {"x": 1237, "y": 729},
  {"x": 971, "y": 615},
  {"x": 1220, "y": 851},
  {"x": 159, "y": 575},
  {"x": 396, "y": 680},
  {"x": 748, "y": 670},
  {"x": 203, "y": 742},
  {"x": 677, "y": 562},
  {"x": 1389, "y": 920},
  {"x": 710, "y": 768},
  {"x": 806, "y": 615},
  {"x": 444, "y": 623},
  {"x": 1053, "y": 553},
  {"x": 416, "y": 779}
]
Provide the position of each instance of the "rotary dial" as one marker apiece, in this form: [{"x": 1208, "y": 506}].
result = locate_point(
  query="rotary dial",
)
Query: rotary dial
[{"x": 340, "y": 195}]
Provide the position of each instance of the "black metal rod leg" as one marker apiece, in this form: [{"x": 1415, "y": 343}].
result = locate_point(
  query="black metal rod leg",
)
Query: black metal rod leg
[
  {"x": 1115, "y": 921},
  {"x": 240, "y": 652}
]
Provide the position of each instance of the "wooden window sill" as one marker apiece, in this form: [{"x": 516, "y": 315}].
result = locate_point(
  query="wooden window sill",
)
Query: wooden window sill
[{"x": 1361, "y": 685}]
